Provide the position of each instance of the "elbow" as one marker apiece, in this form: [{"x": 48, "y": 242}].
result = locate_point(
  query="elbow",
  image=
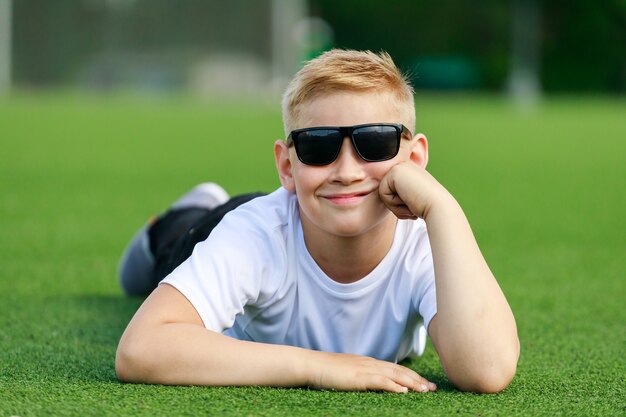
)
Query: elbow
[
  {"x": 123, "y": 365},
  {"x": 490, "y": 381},
  {"x": 130, "y": 364},
  {"x": 489, "y": 377}
]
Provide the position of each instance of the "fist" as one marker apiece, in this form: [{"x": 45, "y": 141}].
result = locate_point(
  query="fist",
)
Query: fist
[{"x": 409, "y": 191}]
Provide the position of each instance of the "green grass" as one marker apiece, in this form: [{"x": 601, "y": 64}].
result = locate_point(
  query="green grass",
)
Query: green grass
[{"x": 544, "y": 191}]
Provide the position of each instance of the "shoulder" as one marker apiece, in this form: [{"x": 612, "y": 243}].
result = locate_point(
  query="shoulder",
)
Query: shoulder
[
  {"x": 260, "y": 226},
  {"x": 267, "y": 212},
  {"x": 244, "y": 257}
]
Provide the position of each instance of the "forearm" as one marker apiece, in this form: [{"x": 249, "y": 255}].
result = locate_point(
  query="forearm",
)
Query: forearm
[
  {"x": 166, "y": 343},
  {"x": 187, "y": 354},
  {"x": 475, "y": 327}
]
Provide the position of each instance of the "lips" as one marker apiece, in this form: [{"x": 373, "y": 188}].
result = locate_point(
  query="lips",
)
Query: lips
[{"x": 346, "y": 198}]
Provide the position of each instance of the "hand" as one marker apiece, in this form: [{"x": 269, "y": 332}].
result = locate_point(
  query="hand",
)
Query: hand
[
  {"x": 409, "y": 191},
  {"x": 346, "y": 372}
]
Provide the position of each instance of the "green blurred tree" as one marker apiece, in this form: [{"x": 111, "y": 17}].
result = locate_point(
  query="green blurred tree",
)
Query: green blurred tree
[{"x": 583, "y": 43}]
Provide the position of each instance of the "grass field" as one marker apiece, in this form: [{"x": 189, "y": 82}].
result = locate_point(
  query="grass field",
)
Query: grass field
[{"x": 544, "y": 191}]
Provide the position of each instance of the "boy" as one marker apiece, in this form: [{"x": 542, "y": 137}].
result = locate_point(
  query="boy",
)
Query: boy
[{"x": 329, "y": 281}]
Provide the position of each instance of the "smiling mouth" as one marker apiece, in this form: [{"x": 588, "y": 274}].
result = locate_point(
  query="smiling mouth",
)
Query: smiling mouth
[{"x": 346, "y": 199}]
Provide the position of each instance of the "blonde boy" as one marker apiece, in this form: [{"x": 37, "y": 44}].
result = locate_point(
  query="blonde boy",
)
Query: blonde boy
[{"x": 333, "y": 278}]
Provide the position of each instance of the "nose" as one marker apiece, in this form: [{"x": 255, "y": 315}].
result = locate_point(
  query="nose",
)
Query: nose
[{"x": 348, "y": 167}]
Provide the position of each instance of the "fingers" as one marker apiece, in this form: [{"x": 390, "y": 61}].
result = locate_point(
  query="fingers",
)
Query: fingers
[
  {"x": 397, "y": 378},
  {"x": 382, "y": 383},
  {"x": 409, "y": 191},
  {"x": 402, "y": 212},
  {"x": 399, "y": 209},
  {"x": 411, "y": 379},
  {"x": 346, "y": 372},
  {"x": 394, "y": 202}
]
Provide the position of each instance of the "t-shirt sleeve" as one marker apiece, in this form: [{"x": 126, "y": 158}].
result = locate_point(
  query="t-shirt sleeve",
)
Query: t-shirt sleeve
[
  {"x": 425, "y": 294},
  {"x": 428, "y": 304},
  {"x": 227, "y": 271}
]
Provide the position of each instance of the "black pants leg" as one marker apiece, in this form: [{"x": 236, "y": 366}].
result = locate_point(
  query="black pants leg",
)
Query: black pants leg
[{"x": 174, "y": 235}]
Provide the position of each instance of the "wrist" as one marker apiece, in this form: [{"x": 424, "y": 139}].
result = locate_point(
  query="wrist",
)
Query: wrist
[
  {"x": 447, "y": 217},
  {"x": 306, "y": 369},
  {"x": 440, "y": 202}
]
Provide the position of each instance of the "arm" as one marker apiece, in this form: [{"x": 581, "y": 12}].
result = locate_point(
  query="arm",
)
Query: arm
[
  {"x": 166, "y": 343},
  {"x": 474, "y": 331}
]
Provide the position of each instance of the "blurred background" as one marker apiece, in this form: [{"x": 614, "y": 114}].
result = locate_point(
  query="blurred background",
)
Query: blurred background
[{"x": 522, "y": 47}]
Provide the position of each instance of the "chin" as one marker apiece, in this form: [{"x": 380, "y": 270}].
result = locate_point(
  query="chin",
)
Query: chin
[{"x": 347, "y": 229}]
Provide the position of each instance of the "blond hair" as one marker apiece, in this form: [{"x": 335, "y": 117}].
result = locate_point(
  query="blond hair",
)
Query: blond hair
[{"x": 347, "y": 70}]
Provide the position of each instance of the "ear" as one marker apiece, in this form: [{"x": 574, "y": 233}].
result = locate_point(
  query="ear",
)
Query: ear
[
  {"x": 419, "y": 150},
  {"x": 283, "y": 165}
]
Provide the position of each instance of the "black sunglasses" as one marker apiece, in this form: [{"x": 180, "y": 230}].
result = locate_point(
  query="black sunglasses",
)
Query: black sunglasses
[{"x": 374, "y": 142}]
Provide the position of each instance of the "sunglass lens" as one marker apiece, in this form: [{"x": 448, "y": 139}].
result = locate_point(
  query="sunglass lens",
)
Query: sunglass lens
[
  {"x": 377, "y": 143},
  {"x": 319, "y": 146}
]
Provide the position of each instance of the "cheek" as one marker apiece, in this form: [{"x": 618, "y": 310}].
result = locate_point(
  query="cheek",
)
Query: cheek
[
  {"x": 404, "y": 154},
  {"x": 378, "y": 170},
  {"x": 306, "y": 177}
]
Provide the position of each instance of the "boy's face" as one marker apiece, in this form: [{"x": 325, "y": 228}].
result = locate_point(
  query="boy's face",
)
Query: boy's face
[{"x": 341, "y": 198}]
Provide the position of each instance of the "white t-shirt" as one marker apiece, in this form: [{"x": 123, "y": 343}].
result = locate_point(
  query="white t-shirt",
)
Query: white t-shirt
[{"x": 254, "y": 279}]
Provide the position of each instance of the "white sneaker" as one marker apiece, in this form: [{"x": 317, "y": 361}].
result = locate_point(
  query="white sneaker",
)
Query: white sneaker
[{"x": 206, "y": 195}]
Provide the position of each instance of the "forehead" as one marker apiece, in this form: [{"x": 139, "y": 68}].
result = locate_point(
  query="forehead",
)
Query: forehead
[{"x": 349, "y": 108}]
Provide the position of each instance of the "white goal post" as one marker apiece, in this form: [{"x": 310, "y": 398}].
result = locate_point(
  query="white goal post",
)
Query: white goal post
[{"x": 5, "y": 46}]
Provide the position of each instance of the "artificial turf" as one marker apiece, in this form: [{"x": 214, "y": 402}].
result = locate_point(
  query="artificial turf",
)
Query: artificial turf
[{"x": 543, "y": 189}]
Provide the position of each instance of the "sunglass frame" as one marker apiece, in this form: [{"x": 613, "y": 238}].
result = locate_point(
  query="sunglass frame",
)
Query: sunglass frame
[{"x": 348, "y": 131}]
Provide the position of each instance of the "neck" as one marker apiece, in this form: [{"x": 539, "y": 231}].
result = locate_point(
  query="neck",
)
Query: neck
[{"x": 348, "y": 259}]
